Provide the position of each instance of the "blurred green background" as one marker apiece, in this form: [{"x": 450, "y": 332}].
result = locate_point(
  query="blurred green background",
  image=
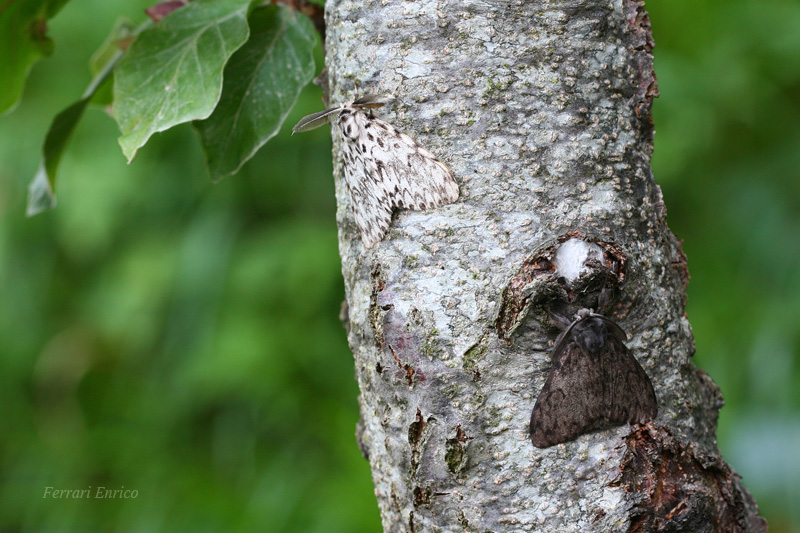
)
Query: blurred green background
[{"x": 181, "y": 339}]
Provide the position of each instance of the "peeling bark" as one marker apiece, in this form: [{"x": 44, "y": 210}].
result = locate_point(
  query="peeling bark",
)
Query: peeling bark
[
  {"x": 542, "y": 111},
  {"x": 678, "y": 488}
]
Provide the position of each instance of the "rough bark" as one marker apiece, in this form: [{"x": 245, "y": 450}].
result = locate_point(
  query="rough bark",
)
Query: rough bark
[{"x": 542, "y": 111}]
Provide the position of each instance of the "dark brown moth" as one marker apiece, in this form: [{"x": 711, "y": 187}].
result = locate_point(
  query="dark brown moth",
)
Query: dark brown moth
[{"x": 595, "y": 382}]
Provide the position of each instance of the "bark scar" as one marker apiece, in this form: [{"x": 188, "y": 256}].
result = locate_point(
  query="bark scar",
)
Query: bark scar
[
  {"x": 522, "y": 290},
  {"x": 683, "y": 490}
]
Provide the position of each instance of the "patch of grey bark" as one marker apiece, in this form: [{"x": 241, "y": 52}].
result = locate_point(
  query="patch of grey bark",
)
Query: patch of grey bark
[{"x": 542, "y": 110}]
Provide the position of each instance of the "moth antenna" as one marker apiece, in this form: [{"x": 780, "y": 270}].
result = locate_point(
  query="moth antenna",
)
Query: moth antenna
[
  {"x": 604, "y": 300},
  {"x": 372, "y": 101},
  {"x": 560, "y": 320},
  {"x": 314, "y": 120}
]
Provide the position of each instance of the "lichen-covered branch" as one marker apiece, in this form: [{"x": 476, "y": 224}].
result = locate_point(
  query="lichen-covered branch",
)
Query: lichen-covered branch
[{"x": 542, "y": 111}]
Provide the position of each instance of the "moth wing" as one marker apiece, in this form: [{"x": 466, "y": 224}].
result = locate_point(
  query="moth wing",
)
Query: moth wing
[
  {"x": 412, "y": 176},
  {"x": 629, "y": 394},
  {"x": 564, "y": 337},
  {"x": 570, "y": 403},
  {"x": 613, "y": 328},
  {"x": 384, "y": 169},
  {"x": 314, "y": 120},
  {"x": 363, "y": 176}
]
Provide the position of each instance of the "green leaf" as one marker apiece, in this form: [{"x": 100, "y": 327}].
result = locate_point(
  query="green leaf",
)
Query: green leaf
[
  {"x": 262, "y": 82},
  {"x": 23, "y": 41},
  {"x": 41, "y": 191},
  {"x": 41, "y": 196},
  {"x": 173, "y": 71}
]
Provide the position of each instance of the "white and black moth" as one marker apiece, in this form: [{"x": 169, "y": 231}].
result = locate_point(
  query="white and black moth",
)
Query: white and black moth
[
  {"x": 595, "y": 382},
  {"x": 384, "y": 169}
]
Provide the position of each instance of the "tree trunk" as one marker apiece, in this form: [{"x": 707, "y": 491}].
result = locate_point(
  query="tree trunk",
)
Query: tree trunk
[{"x": 542, "y": 111}]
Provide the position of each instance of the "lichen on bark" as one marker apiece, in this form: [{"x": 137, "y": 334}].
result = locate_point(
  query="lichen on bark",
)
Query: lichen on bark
[{"x": 542, "y": 111}]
